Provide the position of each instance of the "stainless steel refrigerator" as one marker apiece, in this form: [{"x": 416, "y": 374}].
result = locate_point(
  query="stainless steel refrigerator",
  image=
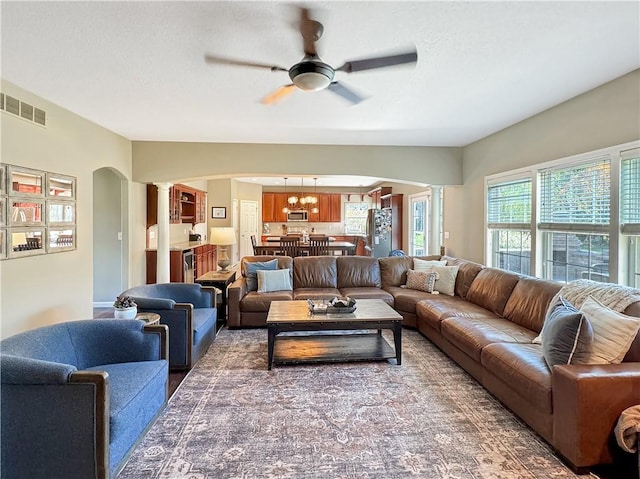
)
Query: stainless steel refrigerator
[{"x": 379, "y": 232}]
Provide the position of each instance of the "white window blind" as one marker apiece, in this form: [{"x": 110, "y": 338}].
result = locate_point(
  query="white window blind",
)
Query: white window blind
[
  {"x": 630, "y": 191},
  {"x": 576, "y": 197},
  {"x": 509, "y": 205}
]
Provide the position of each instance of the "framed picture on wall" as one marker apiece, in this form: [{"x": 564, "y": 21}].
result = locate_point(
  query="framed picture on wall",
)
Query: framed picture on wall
[{"x": 218, "y": 212}]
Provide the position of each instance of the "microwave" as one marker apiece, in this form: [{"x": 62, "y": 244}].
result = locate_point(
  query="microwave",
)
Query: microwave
[{"x": 301, "y": 215}]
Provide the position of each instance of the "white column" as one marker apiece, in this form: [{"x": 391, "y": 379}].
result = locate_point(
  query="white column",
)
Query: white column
[
  {"x": 436, "y": 217},
  {"x": 162, "y": 266}
]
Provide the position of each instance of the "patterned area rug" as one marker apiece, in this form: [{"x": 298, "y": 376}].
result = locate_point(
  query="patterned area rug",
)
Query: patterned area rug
[{"x": 231, "y": 418}]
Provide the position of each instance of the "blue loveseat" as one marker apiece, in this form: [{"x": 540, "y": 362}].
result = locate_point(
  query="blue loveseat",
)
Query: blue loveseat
[
  {"x": 76, "y": 397},
  {"x": 190, "y": 312}
]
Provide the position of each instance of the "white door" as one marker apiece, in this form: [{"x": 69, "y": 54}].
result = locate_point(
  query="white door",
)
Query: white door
[
  {"x": 248, "y": 226},
  {"x": 419, "y": 221}
]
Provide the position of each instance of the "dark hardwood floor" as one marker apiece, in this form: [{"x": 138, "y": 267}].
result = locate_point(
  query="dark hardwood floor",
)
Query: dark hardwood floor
[{"x": 175, "y": 377}]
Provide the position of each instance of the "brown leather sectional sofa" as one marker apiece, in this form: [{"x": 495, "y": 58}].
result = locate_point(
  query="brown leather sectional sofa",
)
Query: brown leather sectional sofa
[{"x": 487, "y": 327}]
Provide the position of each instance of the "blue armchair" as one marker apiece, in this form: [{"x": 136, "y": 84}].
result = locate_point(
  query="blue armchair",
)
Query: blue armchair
[
  {"x": 190, "y": 312},
  {"x": 77, "y": 396}
]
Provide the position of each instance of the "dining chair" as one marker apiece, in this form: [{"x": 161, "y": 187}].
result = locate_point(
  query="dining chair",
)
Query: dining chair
[
  {"x": 318, "y": 245},
  {"x": 290, "y": 246},
  {"x": 254, "y": 244}
]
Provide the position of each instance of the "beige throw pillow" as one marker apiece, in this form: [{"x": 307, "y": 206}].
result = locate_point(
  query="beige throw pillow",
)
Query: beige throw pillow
[
  {"x": 613, "y": 332},
  {"x": 446, "y": 282},
  {"x": 426, "y": 265}
]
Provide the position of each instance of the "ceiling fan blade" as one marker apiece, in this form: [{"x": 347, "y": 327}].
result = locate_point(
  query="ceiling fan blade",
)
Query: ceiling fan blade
[
  {"x": 229, "y": 61},
  {"x": 279, "y": 94},
  {"x": 379, "y": 62},
  {"x": 345, "y": 92},
  {"x": 311, "y": 31}
]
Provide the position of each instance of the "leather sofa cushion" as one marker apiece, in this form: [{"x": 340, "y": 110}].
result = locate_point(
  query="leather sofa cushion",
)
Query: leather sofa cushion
[
  {"x": 315, "y": 293},
  {"x": 260, "y": 302},
  {"x": 471, "y": 334},
  {"x": 368, "y": 293},
  {"x": 467, "y": 272},
  {"x": 528, "y": 303},
  {"x": 315, "y": 272},
  {"x": 523, "y": 368},
  {"x": 393, "y": 269},
  {"x": 406, "y": 299},
  {"x": 491, "y": 289},
  {"x": 437, "y": 308},
  {"x": 357, "y": 271}
]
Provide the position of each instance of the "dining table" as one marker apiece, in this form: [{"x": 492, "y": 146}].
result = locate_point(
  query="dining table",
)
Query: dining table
[{"x": 273, "y": 247}]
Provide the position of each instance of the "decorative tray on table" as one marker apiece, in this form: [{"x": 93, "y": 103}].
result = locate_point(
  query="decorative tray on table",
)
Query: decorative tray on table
[{"x": 335, "y": 306}]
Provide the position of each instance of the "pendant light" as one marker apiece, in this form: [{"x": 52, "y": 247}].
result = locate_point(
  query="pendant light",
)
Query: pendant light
[
  {"x": 303, "y": 199},
  {"x": 285, "y": 210},
  {"x": 315, "y": 209}
]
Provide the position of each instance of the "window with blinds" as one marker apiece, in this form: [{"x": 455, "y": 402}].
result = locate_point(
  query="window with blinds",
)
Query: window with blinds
[
  {"x": 576, "y": 197},
  {"x": 509, "y": 205},
  {"x": 630, "y": 191}
]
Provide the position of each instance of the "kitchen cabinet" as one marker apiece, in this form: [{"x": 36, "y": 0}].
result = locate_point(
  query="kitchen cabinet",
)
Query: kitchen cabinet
[
  {"x": 335, "y": 208},
  {"x": 176, "y": 266},
  {"x": 272, "y": 206},
  {"x": 205, "y": 259},
  {"x": 186, "y": 205},
  {"x": 268, "y": 207},
  {"x": 376, "y": 196}
]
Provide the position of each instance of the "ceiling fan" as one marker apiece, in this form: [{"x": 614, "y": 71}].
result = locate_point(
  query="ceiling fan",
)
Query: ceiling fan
[{"x": 311, "y": 73}]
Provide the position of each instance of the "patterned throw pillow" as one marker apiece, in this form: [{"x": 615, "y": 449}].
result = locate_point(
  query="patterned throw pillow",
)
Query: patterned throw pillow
[{"x": 421, "y": 280}]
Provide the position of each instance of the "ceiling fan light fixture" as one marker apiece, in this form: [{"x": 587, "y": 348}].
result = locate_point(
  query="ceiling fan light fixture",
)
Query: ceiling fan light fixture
[{"x": 311, "y": 75}]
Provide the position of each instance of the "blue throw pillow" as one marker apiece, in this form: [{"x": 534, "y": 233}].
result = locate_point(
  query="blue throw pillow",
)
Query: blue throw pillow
[{"x": 251, "y": 271}]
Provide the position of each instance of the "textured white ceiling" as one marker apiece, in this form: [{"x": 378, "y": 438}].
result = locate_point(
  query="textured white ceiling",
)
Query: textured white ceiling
[{"x": 138, "y": 69}]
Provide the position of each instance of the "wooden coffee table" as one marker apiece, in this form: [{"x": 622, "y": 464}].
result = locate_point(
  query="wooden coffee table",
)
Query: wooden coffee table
[{"x": 340, "y": 345}]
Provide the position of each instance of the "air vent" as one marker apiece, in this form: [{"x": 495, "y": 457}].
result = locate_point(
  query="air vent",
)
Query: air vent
[
  {"x": 13, "y": 105},
  {"x": 26, "y": 111},
  {"x": 23, "y": 110}
]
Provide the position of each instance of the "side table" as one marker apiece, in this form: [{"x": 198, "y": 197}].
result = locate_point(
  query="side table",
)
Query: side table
[
  {"x": 220, "y": 280},
  {"x": 149, "y": 318}
]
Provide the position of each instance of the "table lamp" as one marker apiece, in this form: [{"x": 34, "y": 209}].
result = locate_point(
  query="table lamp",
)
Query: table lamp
[{"x": 223, "y": 237}]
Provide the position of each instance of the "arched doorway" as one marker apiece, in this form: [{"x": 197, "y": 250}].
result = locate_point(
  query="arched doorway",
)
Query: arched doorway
[{"x": 110, "y": 235}]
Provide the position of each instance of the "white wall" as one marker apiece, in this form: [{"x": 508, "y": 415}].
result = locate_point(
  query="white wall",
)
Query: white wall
[
  {"x": 606, "y": 116},
  {"x": 52, "y": 288}
]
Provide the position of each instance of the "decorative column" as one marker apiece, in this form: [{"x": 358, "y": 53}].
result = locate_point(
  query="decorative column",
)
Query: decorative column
[
  {"x": 435, "y": 232},
  {"x": 163, "y": 261}
]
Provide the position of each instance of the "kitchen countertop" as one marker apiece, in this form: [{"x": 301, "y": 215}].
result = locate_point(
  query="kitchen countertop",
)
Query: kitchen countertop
[{"x": 183, "y": 246}]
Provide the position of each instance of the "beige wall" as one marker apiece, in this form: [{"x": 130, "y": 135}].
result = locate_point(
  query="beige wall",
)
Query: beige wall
[
  {"x": 606, "y": 116},
  {"x": 166, "y": 161},
  {"x": 52, "y": 288}
]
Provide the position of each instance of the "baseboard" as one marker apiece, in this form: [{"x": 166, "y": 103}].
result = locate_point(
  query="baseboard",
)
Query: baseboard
[{"x": 103, "y": 304}]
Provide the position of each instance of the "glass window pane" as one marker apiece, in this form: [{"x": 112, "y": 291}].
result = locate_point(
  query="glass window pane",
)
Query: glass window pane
[
  {"x": 577, "y": 194},
  {"x": 511, "y": 250},
  {"x": 572, "y": 256},
  {"x": 509, "y": 202}
]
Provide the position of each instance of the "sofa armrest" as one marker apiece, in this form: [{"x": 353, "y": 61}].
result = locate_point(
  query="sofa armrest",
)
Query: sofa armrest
[
  {"x": 587, "y": 401},
  {"x": 100, "y": 380},
  {"x": 237, "y": 290},
  {"x": 162, "y": 330},
  {"x": 146, "y": 304},
  {"x": 20, "y": 370}
]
